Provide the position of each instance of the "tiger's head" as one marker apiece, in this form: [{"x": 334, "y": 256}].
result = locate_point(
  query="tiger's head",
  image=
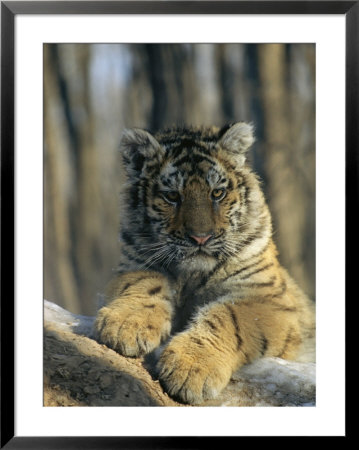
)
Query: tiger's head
[{"x": 191, "y": 199}]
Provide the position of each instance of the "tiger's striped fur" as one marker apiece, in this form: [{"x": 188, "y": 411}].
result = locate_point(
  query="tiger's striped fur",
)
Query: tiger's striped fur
[{"x": 199, "y": 269}]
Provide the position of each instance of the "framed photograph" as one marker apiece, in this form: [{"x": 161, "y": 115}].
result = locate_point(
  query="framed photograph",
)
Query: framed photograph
[{"x": 96, "y": 93}]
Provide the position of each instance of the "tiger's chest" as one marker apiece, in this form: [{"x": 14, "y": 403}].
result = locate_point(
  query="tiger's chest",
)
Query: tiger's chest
[{"x": 191, "y": 292}]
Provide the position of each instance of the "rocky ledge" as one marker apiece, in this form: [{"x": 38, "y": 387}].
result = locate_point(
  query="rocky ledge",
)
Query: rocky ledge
[{"x": 78, "y": 371}]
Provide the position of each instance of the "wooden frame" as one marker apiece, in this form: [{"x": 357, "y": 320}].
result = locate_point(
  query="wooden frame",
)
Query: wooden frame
[{"x": 9, "y": 10}]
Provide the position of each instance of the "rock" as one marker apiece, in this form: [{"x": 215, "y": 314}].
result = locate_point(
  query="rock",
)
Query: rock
[{"x": 80, "y": 372}]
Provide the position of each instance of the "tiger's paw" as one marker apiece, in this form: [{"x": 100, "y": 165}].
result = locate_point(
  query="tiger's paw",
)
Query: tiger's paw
[
  {"x": 133, "y": 329},
  {"x": 191, "y": 371}
]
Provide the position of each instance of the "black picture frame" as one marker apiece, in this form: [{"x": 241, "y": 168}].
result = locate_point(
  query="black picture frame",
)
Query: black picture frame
[{"x": 9, "y": 10}]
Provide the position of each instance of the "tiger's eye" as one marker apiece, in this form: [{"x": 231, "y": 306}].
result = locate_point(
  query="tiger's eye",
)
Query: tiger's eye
[
  {"x": 172, "y": 196},
  {"x": 218, "y": 194}
]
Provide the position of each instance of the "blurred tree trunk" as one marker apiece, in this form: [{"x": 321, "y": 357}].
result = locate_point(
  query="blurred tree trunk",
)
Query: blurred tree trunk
[
  {"x": 164, "y": 76},
  {"x": 288, "y": 198},
  {"x": 83, "y": 207},
  {"x": 86, "y": 207},
  {"x": 59, "y": 280}
]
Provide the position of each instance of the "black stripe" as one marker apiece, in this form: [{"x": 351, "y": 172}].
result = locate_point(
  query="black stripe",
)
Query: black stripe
[
  {"x": 127, "y": 237},
  {"x": 175, "y": 151},
  {"x": 231, "y": 222},
  {"x": 183, "y": 144},
  {"x": 210, "y": 274},
  {"x": 252, "y": 237},
  {"x": 260, "y": 253},
  {"x": 103, "y": 326},
  {"x": 223, "y": 130},
  {"x": 264, "y": 345},
  {"x": 219, "y": 320},
  {"x": 235, "y": 324},
  {"x": 190, "y": 143},
  {"x": 168, "y": 179},
  {"x": 284, "y": 308},
  {"x": 245, "y": 190},
  {"x": 182, "y": 159},
  {"x": 193, "y": 160},
  {"x": 237, "y": 272},
  {"x": 146, "y": 219},
  {"x": 156, "y": 209},
  {"x": 126, "y": 286},
  {"x": 196, "y": 171},
  {"x": 211, "y": 325},
  {"x": 198, "y": 157},
  {"x": 246, "y": 357},
  {"x": 260, "y": 269},
  {"x": 151, "y": 220},
  {"x": 266, "y": 300},
  {"x": 196, "y": 341},
  {"x": 213, "y": 343},
  {"x": 286, "y": 343},
  {"x": 155, "y": 290},
  {"x": 283, "y": 288},
  {"x": 131, "y": 257},
  {"x": 134, "y": 199},
  {"x": 264, "y": 284},
  {"x": 155, "y": 189}
]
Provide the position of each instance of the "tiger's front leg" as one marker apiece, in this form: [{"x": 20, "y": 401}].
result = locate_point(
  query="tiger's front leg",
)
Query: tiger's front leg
[
  {"x": 137, "y": 317},
  {"x": 198, "y": 363}
]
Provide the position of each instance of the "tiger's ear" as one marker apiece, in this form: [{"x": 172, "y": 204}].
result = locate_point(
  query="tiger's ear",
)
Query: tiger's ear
[
  {"x": 138, "y": 147},
  {"x": 237, "y": 140}
]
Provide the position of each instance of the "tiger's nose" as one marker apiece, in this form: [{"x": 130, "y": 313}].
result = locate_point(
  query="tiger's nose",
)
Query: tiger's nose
[{"x": 200, "y": 239}]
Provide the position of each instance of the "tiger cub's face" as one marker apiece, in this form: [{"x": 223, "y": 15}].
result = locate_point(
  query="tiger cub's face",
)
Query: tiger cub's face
[{"x": 194, "y": 194}]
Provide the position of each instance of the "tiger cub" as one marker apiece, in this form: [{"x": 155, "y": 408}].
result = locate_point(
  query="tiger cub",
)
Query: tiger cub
[{"x": 199, "y": 269}]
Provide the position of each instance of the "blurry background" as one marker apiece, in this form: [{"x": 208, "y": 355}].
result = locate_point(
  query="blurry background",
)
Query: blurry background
[{"x": 91, "y": 92}]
